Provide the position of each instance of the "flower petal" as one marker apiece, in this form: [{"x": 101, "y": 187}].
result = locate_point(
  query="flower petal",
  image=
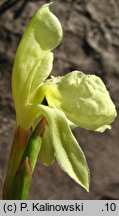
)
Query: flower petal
[
  {"x": 68, "y": 153},
  {"x": 83, "y": 98},
  {"x": 47, "y": 150},
  {"x": 33, "y": 60}
]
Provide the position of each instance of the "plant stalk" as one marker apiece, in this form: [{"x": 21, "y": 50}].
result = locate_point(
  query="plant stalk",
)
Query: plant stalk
[
  {"x": 17, "y": 149},
  {"x": 19, "y": 175}
]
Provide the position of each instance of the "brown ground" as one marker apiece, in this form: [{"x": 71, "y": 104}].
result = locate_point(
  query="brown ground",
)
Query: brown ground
[{"x": 90, "y": 44}]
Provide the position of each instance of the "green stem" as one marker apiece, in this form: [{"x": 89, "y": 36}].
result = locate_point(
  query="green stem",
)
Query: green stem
[
  {"x": 21, "y": 183},
  {"x": 17, "y": 149}
]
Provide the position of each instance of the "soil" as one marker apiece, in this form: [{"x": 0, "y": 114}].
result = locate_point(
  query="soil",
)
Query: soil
[{"x": 90, "y": 44}]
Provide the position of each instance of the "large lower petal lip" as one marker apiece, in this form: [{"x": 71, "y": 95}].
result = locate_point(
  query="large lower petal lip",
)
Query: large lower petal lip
[{"x": 84, "y": 99}]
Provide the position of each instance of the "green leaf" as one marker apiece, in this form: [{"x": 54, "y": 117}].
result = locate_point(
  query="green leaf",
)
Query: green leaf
[
  {"x": 33, "y": 147},
  {"x": 47, "y": 150},
  {"x": 68, "y": 153},
  {"x": 83, "y": 98},
  {"x": 21, "y": 185}
]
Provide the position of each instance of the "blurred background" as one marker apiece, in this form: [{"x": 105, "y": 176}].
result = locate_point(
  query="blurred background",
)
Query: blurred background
[{"x": 90, "y": 44}]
